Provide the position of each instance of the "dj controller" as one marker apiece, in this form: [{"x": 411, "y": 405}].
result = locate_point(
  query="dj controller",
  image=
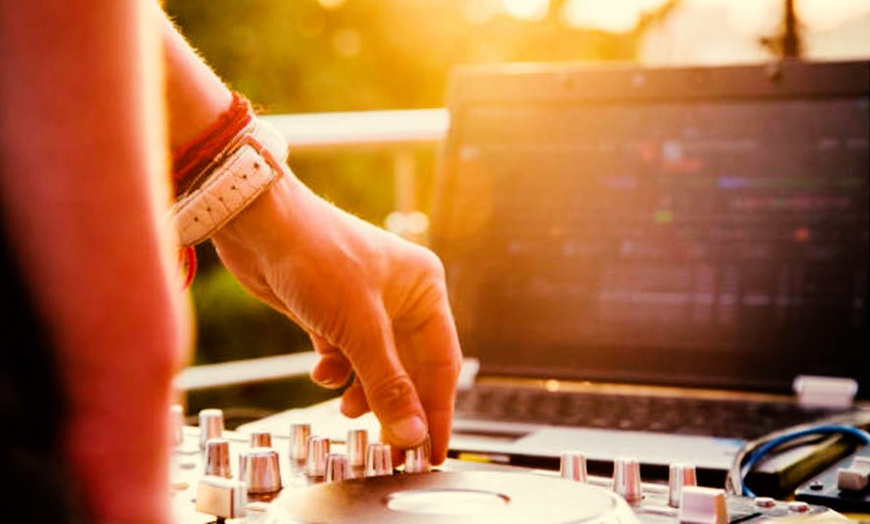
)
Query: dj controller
[{"x": 298, "y": 477}]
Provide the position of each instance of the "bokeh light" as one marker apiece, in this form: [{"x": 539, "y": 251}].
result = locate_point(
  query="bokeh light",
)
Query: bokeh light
[
  {"x": 527, "y": 9},
  {"x": 331, "y": 5},
  {"x": 621, "y": 16}
]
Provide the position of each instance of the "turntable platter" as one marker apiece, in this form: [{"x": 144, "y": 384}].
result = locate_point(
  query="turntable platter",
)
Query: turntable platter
[{"x": 451, "y": 497}]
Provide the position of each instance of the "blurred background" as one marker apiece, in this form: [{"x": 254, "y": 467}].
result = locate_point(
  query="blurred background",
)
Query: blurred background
[{"x": 295, "y": 57}]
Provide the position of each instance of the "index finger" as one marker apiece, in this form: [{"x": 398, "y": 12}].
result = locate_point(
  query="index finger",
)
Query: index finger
[
  {"x": 438, "y": 358},
  {"x": 388, "y": 387}
]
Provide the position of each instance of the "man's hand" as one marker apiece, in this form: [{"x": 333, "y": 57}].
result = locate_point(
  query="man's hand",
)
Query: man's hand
[{"x": 374, "y": 305}]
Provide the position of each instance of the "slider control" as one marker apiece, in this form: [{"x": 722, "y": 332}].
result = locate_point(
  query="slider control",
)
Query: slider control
[
  {"x": 856, "y": 477},
  {"x": 702, "y": 505},
  {"x": 222, "y": 497}
]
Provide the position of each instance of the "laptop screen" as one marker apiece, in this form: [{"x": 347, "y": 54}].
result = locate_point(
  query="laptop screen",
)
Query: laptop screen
[{"x": 696, "y": 227}]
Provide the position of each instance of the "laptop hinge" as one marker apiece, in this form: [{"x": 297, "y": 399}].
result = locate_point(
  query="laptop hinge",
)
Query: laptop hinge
[
  {"x": 825, "y": 392},
  {"x": 468, "y": 373}
]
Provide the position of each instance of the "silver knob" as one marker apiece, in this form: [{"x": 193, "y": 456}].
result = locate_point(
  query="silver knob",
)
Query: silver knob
[
  {"x": 211, "y": 425},
  {"x": 261, "y": 439},
  {"x": 217, "y": 458},
  {"x": 680, "y": 475},
  {"x": 417, "y": 458},
  {"x": 357, "y": 440},
  {"x": 299, "y": 434},
  {"x": 379, "y": 460},
  {"x": 573, "y": 466},
  {"x": 318, "y": 450},
  {"x": 176, "y": 413},
  {"x": 626, "y": 479},
  {"x": 260, "y": 470},
  {"x": 337, "y": 467}
]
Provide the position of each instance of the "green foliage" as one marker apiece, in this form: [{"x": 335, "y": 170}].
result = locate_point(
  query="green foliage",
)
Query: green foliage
[
  {"x": 295, "y": 56},
  {"x": 232, "y": 324}
]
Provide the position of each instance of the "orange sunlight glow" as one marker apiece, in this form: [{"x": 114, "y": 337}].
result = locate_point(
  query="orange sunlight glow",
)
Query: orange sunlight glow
[
  {"x": 614, "y": 17},
  {"x": 527, "y": 9},
  {"x": 331, "y": 5}
]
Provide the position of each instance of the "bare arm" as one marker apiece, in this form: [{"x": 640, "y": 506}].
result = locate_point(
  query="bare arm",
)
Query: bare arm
[
  {"x": 83, "y": 187},
  {"x": 372, "y": 302}
]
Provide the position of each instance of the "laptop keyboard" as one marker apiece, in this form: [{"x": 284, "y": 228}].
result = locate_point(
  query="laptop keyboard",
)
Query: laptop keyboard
[{"x": 690, "y": 416}]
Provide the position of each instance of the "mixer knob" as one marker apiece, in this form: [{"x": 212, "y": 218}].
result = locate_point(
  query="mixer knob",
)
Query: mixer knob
[
  {"x": 261, "y": 439},
  {"x": 224, "y": 498},
  {"x": 260, "y": 470},
  {"x": 217, "y": 458},
  {"x": 626, "y": 479},
  {"x": 337, "y": 467},
  {"x": 357, "y": 441},
  {"x": 680, "y": 475},
  {"x": 417, "y": 458},
  {"x": 176, "y": 413},
  {"x": 379, "y": 460},
  {"x": 318, "y": 450},
  {"x": 299, "y": 434},
  {"x": 573, "y": 466},
  {"x": 211, "y": 425},
  {"x": 702, "y": 505}
]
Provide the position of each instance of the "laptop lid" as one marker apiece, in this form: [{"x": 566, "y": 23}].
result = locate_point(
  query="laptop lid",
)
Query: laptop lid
[{"x": 695, "y": 226}]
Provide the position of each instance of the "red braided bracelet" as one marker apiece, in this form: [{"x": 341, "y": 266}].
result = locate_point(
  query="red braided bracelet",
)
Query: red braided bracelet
[{"x": 190, "y": 161}]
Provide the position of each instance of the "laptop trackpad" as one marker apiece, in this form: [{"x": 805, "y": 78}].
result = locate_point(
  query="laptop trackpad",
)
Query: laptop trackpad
[{"x": 598, "y": 444}]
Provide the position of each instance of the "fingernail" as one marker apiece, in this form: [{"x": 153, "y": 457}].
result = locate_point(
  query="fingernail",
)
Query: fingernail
[{"x": 409, "y": 431}]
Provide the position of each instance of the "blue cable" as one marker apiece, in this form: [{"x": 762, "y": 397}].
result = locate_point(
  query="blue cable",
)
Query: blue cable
[{"x": 759, "y": 453}]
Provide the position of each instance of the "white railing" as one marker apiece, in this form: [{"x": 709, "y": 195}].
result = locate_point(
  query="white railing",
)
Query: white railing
[
  {"x": 397, "y": 132},
  {"x": 392, "y": 130}
]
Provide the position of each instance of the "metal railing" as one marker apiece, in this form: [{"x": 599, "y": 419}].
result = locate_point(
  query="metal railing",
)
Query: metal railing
[{"x": 397, "y": 132}]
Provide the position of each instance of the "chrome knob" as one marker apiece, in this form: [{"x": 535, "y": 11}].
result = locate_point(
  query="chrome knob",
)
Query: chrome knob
[
  {"x": 680, "y": 475},
  {"x": 259, "y": 469},
  {"x": 417, "y": 459},
  {"x": 379, "y": 460},
  {"x": 626, "y": 479},
  {"x": 318, "y": 450},
  {"x": 217, "y": 458},
  {"x": 176, "y": 414},
  {"x": 261, "y": 439},
  {"x": 357, "y": 441},
  {"x": 337, "y": 467},
  {"x": 573, "y": 466},
  {"x": 299, "y": 434},
  {"x": 211, "y": 425}
]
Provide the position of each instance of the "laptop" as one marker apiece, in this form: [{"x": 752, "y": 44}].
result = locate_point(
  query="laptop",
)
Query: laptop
[
  {"x": 672, "y": 238},
  {"x": 620, "y": 240}
]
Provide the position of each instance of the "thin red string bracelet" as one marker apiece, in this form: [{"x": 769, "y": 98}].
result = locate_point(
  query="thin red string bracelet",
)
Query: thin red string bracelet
[{"x": 190, "y": 160}]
